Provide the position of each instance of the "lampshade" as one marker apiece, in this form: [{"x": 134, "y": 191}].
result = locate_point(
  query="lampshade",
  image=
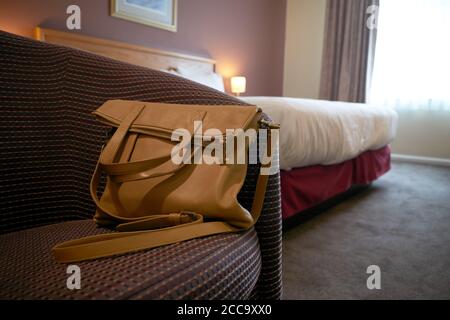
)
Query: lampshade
[{"x": 238, "y": 84}]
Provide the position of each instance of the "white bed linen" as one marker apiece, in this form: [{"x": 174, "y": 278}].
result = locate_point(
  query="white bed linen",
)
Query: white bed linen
[{"x": 322, "y": 132}]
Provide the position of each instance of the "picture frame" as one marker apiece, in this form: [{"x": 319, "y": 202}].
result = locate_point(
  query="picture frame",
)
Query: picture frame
[{"x": 160, "y": 14}]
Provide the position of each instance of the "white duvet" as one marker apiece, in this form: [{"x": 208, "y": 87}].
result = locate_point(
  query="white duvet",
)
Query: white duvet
[{"x": 322, "y": 132}]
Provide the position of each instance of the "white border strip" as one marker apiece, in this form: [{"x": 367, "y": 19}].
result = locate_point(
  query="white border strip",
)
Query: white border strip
[{"x": 422, "y": 160}]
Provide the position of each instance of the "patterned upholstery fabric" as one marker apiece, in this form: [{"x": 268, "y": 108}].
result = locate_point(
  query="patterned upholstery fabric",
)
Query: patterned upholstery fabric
[
  {"x": 50, "y": 143},
  {"x": 216, "y": 267}
]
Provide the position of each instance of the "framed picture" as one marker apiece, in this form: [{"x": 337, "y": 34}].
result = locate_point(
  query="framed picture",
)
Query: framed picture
[{"x": 156, "y": 13}]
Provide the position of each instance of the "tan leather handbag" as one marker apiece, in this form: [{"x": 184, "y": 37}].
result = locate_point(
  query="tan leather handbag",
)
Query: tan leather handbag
[{"x": 150, "y": 200}]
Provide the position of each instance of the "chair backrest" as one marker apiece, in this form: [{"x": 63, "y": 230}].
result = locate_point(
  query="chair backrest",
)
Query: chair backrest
[{"x": 49, "y": 140}]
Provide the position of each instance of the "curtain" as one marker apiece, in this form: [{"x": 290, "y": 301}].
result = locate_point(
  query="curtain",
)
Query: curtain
[
  {"x": 348, "y": 50},
  {"x": 412, "y": 57}
]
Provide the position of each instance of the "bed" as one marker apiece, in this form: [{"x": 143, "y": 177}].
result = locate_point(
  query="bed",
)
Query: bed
[{"x": 326, "y": 148}]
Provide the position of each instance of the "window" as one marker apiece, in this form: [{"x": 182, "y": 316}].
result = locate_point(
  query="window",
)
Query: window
[{"x": 412, "y": 56}]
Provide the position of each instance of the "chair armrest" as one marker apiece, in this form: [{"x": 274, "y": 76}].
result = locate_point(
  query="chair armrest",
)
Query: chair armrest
[{"x": 269, "y": 230}]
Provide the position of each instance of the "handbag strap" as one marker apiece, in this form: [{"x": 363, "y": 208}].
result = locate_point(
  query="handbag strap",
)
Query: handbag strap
[
  {"x": 121, "y": 172},
  {"x": 133, "y": 170},
  {"x": 182, "y": 226},
  {"x": 105, "y": 245}
]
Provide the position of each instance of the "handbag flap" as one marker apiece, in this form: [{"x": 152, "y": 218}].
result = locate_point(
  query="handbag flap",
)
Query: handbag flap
[{"x": 162, "y": 118}]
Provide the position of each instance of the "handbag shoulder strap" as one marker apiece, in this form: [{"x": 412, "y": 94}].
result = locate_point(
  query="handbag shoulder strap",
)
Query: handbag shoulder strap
[{"x": 116, "y": 243}]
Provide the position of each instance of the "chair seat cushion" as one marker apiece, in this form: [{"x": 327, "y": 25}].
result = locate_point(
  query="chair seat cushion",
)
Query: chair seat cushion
[{"x": 223, "y": 266}]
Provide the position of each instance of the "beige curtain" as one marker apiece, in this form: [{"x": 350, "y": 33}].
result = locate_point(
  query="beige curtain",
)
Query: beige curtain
[{"x": 348, "y": 50}]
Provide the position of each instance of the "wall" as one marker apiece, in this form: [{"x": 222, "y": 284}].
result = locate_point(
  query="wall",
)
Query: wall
[
  {"x": 305, "y": 24},
  {"x": 245, "y": 37},
  {"x": 423, "y": 133}
]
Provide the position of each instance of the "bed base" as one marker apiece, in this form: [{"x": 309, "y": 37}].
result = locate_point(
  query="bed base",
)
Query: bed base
[{"x": 312, "y": 212}]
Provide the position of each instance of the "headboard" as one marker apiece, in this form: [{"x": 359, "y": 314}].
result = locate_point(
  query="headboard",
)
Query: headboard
[{"x": 139, "y": 55}]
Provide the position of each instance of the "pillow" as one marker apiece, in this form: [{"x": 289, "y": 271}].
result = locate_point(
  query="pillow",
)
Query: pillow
[
  {"x": 210, "y": 79},
  {"x": 171, "y": 71}
]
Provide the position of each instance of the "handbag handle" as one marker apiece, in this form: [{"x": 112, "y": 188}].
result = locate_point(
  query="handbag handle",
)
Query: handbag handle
[
  {"x": 136, "y": 170},
  {"x": 122, "y": 172}
]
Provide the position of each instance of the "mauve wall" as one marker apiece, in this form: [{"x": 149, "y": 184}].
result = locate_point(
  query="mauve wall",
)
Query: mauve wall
[{"x": 244, "y": 36}]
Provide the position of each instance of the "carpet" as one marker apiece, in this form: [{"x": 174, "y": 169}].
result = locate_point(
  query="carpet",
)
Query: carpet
[{"x": 401, "y": 224}]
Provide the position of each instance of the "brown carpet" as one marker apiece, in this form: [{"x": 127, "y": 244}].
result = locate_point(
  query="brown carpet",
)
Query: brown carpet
[{"x": 401, "y": 224}]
